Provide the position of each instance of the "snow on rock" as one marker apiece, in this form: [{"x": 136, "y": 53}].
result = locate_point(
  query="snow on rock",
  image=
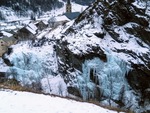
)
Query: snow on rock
[
  {"x": 145, "y": 4},
  {"x": 16, "y": 102}
]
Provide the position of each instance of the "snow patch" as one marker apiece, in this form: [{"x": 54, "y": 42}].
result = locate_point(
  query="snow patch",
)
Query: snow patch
[{"x": 25, "y": 102}]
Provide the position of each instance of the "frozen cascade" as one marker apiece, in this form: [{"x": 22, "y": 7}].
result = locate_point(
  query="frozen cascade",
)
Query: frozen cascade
[
  {"x": 108, "y": 76},
  {"x": 27, "y": 68},
  {"x": 86, "y": 86}
]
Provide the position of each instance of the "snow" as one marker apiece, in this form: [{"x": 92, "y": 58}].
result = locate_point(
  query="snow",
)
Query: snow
[
  {"x": 142, "y": 5},
  {"x": 11, "y": 16},
  {"x": 6, "y": 33},
  {"x": 24, "y": 102},
  {"x": 31, "y": 30},
  {"x": 32, "y": 26},
  {"x": 43, "y": 33},
  {"x": 77, "y": 7},
  {"x": 15, "y": 22},
  {"x": 45, "y": 22},
  {"x": 61, "y": 18},
  {"x": 78, "y": 45}
]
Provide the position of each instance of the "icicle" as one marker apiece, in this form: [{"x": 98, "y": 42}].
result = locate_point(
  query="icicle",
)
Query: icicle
[{"x": 110, "y": 77}]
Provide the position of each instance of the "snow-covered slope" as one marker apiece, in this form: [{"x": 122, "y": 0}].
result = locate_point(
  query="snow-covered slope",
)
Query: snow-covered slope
[{"x": 23, "y": 102}]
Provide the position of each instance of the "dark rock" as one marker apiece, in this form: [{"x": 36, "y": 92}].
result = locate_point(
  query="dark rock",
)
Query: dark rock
[
  {"x": 139, "y": 32},
  {"x": 9, "y": 51},
  {"x": 74, "y": 91},
  {"x": 100, "y": 35},
  {"x": 2, "y": 77},
  {"x": 139, "y": 78},
  {"x": 141, "y": 21},
  {"x": 2, "y": 74},
  {"x": 74, "y": 60},
  {"x": 147, "y": 94},
  {"x": 6, "y": 61}
]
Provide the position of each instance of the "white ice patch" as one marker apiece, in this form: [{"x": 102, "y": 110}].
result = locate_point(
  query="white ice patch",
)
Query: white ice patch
[{"x": 54, "y": 85}]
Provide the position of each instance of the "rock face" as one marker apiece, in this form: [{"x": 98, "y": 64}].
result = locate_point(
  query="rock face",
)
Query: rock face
[
  {"x": 76, "y": 60},
  {"x": 116, "y": 34}
]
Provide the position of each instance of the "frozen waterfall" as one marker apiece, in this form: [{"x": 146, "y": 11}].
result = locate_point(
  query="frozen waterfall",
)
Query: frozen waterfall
[
  {"x": 27, "y": 68},
  {"x": 108, "y": 77}
]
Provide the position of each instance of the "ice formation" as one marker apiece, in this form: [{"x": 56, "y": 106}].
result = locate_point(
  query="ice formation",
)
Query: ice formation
[
  {"x": 27, "y": 68},
  {"x": 36, "y": 67},
  {"x": 108, "y": 76}
]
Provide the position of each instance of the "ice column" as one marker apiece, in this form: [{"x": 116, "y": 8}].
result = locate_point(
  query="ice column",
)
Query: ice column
[{"x": 108, "y": 76}]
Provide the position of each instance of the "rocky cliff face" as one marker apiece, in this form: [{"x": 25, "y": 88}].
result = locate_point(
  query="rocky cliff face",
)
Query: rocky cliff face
[{"x": 109, "y": 44}]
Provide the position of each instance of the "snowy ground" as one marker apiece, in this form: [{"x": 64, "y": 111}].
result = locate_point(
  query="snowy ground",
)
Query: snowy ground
[{"x": 24, "y": 102}]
